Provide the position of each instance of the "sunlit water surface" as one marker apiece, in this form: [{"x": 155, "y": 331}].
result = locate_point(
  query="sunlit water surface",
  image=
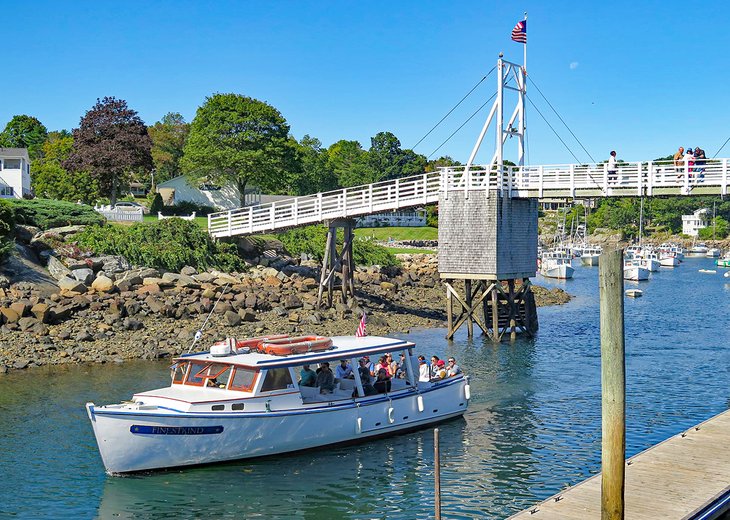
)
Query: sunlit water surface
[{"x": 532, "y": 428}]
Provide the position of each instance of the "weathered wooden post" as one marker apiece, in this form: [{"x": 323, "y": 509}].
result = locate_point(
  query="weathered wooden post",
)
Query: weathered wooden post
[
  {"x": 436, "y": 475},
  {"x": 613, "y": 384}
]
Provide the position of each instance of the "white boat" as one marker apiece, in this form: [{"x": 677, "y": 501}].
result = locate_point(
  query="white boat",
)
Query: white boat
[
  {"x": 708, "y": 271},
  {"x": 235, "y": 402},
  {"x": 668, "y": 260},
  {"x": 589, "y": 256},
  {"x": 672, "y": 249},
  {"x": 713, "y": 252},
  {"x": 634, "y": 293},
  {"x": 697, "y": 250},
  {"x": 724, "y": 261},
  {"x": 634, "y": 271},
  {"x": 651, "y": 264},
  {"x": 556, "y": 264}
]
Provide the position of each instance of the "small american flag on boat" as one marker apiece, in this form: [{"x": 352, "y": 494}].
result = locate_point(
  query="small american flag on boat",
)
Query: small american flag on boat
[
  {"x": 519, "y": 33},
  {"x": 361, "y": 333}
]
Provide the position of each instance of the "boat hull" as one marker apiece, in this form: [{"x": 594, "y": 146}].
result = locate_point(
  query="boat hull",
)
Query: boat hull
[
  {"x": 723, "y": 262},
  {"x": 636, "y": 274},
  {"x": 147, "y": 439},
  {"x": 559, "y": 271},
  {"x": 589, "y": 260},
  {"x": 669, "y": 261}
]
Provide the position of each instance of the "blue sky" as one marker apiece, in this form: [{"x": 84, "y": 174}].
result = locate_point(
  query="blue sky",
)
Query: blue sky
[{"x": 639, "y": 77}]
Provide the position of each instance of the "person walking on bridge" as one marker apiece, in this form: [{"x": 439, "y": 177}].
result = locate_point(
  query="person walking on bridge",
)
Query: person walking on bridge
[{"x": 611, "y": 167}]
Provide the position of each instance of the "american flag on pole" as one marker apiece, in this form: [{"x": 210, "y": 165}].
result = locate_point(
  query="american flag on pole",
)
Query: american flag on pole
[
  {"x": 519, "y": 33},
  {"x": 361, "y": 333}
]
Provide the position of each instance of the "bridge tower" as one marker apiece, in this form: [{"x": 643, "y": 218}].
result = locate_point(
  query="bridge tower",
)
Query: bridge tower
[{"x": 487, "y": 238}]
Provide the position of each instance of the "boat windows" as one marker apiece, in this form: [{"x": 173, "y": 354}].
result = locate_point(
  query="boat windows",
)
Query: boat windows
[
  {"x": 178, "y": 372},
  {"x": 277, "y": 379},
  {"x": 243, "y": 379},
  {"x": 195, "y": 374},
  {"x": 217, "y": 375}
]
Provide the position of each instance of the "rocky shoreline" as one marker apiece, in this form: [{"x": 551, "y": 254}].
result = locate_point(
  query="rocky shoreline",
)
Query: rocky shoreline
[{"x": 104, "y": 310}]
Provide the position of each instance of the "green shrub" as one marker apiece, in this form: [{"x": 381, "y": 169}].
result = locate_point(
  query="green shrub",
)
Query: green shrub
[
  {"x": 186, "y": 208},
  {"x": 46, "y": 213},
  {"x": 7, "y": 218},
  {"x": 167, "y": 244},
  {"x": 312, "y": 239},
  {"x": 157, "y": 205}
]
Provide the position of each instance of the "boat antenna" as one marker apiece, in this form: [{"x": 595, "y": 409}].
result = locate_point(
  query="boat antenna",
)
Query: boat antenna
[{"x": 199, "y": 333}]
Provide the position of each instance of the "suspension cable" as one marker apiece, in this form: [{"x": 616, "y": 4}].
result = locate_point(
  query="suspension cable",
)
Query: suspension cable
[
  {"x": 462, "y": 125},
  {"x": 454, "y": 108},
  {"x": 561, "y": 119},
  {"x": 723, "y": 146},
  {"x": 560, "y": 139}
]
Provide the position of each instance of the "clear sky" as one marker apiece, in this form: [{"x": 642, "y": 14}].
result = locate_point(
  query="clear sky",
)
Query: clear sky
[{"x": 641, "y": 77}]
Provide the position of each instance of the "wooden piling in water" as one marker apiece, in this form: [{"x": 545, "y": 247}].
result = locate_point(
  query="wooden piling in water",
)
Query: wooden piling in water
[
  {"x": 436, "y": 475},
  {"x": 613, "y": 384}
]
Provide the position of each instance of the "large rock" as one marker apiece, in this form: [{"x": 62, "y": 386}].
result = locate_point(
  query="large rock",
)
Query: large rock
[
  {"x": 112, "y": 264},
  {"x": 40, "y": 311},
  {"x": 26, "y": 233},
  {"x": 64, "y": 230},
  {"x": 292, "y": 302},
  {"x": 232, "y": 318},
  {"x": 22, "y": 307},
  {"x": 57, "y": 269},
  {"x": 9, "y": 315},
  {"x": 102, "y": 284},
  {"x": 83, "y": 275},
  {"x": 181, "y": 280},
  {"x": 71, "y": 284}
]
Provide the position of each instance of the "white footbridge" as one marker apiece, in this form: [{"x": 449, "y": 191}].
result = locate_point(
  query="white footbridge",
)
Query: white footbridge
[{"x": 634, "y": 179}]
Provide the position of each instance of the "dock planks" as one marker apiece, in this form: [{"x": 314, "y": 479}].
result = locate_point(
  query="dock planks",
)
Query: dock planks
[{"x": 669, "y": 480}]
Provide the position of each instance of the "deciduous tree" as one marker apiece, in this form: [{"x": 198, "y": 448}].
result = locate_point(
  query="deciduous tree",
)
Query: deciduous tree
[
  {"x": 349, "y": 162},
  {"x": 24, "y": 132},
  {"x": 316, "y": 174},
  {"x": 168, "y": 142},
  {"x": 388, "y": 161},
  {"x": 240, "y": 140},
  {"x": 52, "y": 181},
  {"x": 111, "y": 143}
]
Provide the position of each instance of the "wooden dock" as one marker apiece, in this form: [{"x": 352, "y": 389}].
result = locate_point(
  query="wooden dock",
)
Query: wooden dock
[{"x": 670, "y": 480}]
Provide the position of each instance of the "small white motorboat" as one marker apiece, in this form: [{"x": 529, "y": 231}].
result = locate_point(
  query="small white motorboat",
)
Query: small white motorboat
[
  {"x": 634, "y": 271},
  {"x": 634, "y": 293},
  {"x": 556, "y": 264},
  {"x": 668, "y": 260},
  {"x": 589, "y": 256},
  {"x": 244, "y": 399},
  {"x": 713, "y": 252},
  {"x": 707, "y": 271},
  {"x": 697, "y": 250}
]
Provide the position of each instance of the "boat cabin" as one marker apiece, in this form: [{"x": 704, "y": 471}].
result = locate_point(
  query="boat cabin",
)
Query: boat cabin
[{"x": 234, "y": 378}]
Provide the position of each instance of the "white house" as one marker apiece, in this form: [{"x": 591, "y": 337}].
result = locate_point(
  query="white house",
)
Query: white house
[
  {"x": 180, "y": 189},
  {"x": 14, "y": 173},
  {"x": 691, "y": 224},
  {"x": 412, "y": 218}
]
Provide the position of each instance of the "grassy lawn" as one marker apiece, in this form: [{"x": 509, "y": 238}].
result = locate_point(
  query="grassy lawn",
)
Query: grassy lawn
[{"x": 399, "y": 233}]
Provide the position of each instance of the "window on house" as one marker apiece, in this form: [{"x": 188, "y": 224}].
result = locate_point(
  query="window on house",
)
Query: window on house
[
  {"x": 6, "y": 191},
  {"x": 12, "y": 164}
]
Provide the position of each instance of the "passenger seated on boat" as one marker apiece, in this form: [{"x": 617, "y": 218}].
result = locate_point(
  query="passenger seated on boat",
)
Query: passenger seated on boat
[
  {"x": 325, "y": 379},
  {"x": 308, "y": 377},
  {"x": 440, "y": 372},
  {"x": 382, "y": 384},
  {"x": 344, "y": 370},
  {"x": 365, "y": 379}
]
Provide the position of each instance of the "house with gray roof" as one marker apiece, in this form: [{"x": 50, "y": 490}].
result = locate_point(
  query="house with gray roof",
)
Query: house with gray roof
[{"x": 14, "y": 173}]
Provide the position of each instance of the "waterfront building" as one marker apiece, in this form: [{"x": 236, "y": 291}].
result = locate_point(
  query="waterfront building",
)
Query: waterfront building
[
  {"x": 691, "y": 224},
  {"x": 14, "y": 173}
]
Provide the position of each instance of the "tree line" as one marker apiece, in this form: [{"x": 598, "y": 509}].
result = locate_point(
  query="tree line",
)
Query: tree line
[{"x": 232, "y": 139}]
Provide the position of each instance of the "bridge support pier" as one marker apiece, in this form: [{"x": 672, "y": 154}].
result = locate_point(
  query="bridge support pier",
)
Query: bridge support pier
[
  {"x": 334, "y": 262},
  {"x": 496, "y": 306}
]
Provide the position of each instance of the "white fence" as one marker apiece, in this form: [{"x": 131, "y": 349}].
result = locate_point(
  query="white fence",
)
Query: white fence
[
  {"x": 569, "y": 180},
  {"x": 120, "y": 215},
  {"x": 160, "y": 216}
]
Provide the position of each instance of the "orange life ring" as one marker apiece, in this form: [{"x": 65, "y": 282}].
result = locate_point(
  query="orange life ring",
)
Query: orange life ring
[
  {"x": 255, "y": 343},
  {"x": 296, "y": 345}
]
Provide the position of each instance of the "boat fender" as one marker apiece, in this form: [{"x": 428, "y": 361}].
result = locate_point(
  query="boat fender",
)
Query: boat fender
[
  {"x": 467, "y": 391},
  {"x": 419, "y": 400},
  {"x": 391, "y": 416},
  {"x": 358, "y": 426}
]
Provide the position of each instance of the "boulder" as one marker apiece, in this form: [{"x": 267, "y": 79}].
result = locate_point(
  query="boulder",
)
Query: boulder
[
  {"x": 57, "y": 269},
  {"x": 157, "y": 281},
  {"x": 9, "y": 315},
  {"x": 27, "y": 323},
  {"x": 112, "y": 264},
  {"x": 292, "y": 302},
  {"x": 25, "y": 233},
  {"x": 247, "y": 315},
  {"x": 64, "y": 230},
  {"x": 181, "y": 280},
  {"x": 71, "y": 284},
  {"x": 22, "y": 307},
  {"x": 188, "y": 271},
  {"x": 41, "y": 311},
  {"x": 102, "y": 284},
  {"x": 83, "y": 275},
  {"x": 232, "y": 318}
]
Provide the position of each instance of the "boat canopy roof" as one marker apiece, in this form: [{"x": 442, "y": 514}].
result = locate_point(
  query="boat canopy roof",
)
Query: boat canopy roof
[{"x": 343, "y": 347}]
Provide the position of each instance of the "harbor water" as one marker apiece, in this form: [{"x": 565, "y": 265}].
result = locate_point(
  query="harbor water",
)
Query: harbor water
[{"x": 532, "y": 428}]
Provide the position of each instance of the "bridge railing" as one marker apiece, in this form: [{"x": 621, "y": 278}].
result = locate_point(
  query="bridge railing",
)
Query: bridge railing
[{"x": 345, "y": 203}]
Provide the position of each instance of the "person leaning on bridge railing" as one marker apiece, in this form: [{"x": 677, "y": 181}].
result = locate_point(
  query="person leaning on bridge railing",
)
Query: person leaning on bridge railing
[{"x": 678, "y": 160}]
